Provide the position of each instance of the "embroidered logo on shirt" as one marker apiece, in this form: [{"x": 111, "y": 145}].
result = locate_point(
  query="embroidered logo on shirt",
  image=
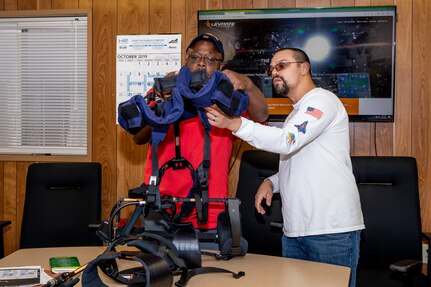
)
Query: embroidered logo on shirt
[
  {"x": 314, "y": 112},
  {"x": 301, "y": 128},
  {"x": 291, "y": 138}
]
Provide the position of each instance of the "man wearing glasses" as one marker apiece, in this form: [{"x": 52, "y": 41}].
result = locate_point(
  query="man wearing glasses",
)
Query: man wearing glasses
[
  {"x": 322, "y": 216},
  {"x": 205, "y": 52}
]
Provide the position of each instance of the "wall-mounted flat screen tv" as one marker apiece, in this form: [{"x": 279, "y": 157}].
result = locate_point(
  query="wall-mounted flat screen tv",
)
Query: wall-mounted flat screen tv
[{"x": 352, "y": 52}]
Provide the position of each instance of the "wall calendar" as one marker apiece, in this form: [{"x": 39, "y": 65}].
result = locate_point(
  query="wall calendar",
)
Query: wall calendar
[{"x": 141, "y": 58}]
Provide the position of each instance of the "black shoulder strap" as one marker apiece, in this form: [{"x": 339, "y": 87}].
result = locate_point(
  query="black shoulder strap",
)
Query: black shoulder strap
[
  {"x": 201, "y": 195},
  {"x": 178, "y": 162},
  {"x": 153, "y": 195},
  {"x": 131, "y": 222}
]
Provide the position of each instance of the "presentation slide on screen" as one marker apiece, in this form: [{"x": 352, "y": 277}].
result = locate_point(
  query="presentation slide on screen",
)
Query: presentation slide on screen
[{"x": 352, "y": 50}]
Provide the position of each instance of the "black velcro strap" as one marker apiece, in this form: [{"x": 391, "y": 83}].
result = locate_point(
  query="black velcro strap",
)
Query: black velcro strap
[
  {"x": 203, "y": 177},
  {"x": 165, "y": 85},
  {"x": 158, "y": 273},
  {"x": 235, "y": 223},
  {"x": 155, "y": 271},
  {"x": 199, "y": 209},
  {"x": 177, "y": 140},
  {"x": 154, "y": 164},
  {"x": 187, "y": 244},
  {"x": 131, "y": 116},
  {"x": 199, "y": 78},
  {"x": 90, "y": 277},
  {"x": 157, "y": 244},
  {"x": 129, "y": 111},
  {"x": 185, "y": 276},
  {"x": 226, "y": 88},
  {"x": 153, "y": 194},
  {"x": 132, "y": 220},
  {"x": 230, "y": 240}
]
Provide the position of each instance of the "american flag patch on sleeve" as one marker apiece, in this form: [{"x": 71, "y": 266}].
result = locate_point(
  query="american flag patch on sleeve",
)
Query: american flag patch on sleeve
[{"x": 314, "y": 112}]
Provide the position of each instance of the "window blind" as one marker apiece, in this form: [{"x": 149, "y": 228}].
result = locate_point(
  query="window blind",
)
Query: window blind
[{"x": 43, "y": 86}]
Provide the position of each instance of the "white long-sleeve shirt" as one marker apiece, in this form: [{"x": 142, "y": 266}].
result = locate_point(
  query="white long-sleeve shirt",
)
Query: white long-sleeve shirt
[{"x": 318, "y": 189}]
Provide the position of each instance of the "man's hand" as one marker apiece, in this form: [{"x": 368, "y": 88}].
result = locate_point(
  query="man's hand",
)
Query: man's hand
[
  {"x": 218, "y": 119},
  {"x": 239, "y": 81},
  {"x": 265, "y": 191},
  {"x": 257, "y": 108}
]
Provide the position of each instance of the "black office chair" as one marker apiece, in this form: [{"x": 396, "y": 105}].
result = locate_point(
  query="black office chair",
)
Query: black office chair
[
  {"x": 388, "y": 188},
  {"x": 3, "y": 224},
  {"x": 263, "y": 232},
  {"x": 61, "y": 201}
]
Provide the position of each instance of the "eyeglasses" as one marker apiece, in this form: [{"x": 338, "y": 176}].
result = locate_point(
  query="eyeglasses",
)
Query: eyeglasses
[
  {"x": 209, "y": 59},
  {"x": 281, "y": 66}
]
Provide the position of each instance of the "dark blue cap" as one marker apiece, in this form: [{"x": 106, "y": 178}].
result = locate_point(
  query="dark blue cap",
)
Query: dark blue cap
[{"x": 209, "y": 38}]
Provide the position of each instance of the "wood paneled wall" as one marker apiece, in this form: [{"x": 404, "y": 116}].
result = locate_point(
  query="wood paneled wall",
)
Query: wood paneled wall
[{"x": 123, "y": 161}]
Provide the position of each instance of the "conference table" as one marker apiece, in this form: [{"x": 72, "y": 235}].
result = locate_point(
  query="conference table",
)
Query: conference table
[{"x": 260, "y": 270}]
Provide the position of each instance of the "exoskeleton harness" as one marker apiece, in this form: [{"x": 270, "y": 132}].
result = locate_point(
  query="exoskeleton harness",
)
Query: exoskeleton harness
[
  {"x": 136, "y": 113},
  {"x": 179, "y": 247},
  {"x": 177, "y": 252}
]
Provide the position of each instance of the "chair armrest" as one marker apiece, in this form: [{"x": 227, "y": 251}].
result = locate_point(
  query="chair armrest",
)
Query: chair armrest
[
  {"x": 4, "y": 223},
  {"x": 276, "y": 224},
  {"x": 427, "y": 237},
  {"x": 94, "y": 226},
  {"x": 408, "y": 266}
]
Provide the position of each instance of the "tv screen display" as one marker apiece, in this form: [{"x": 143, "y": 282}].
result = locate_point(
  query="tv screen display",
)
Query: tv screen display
[{"x": 351, "y": 49}]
